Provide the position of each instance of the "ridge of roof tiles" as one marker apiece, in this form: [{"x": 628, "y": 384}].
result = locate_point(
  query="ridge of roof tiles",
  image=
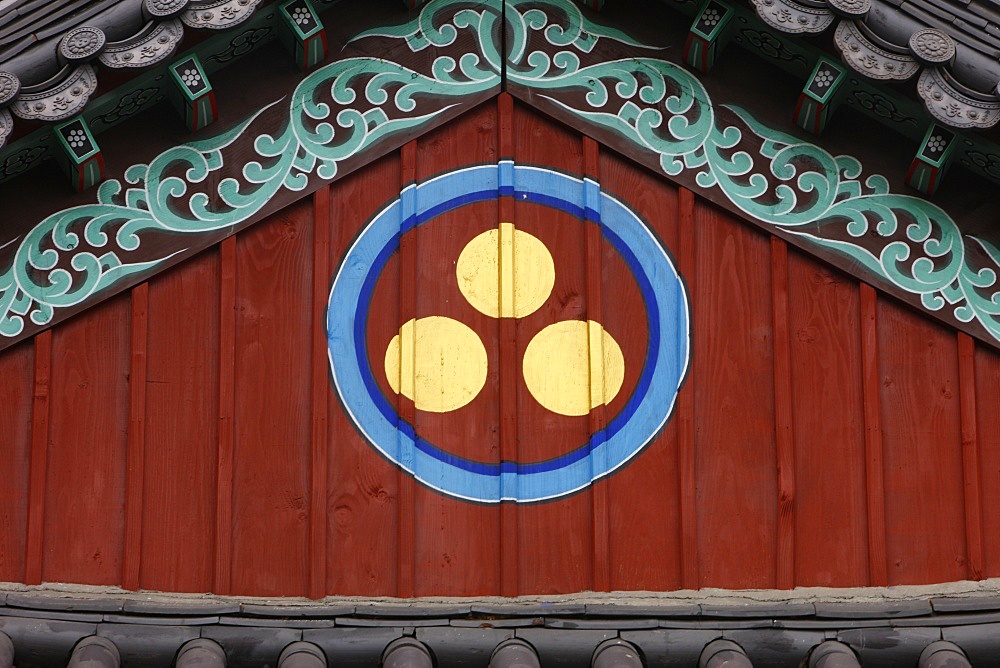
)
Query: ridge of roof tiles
[
  {"x": 48, "y": 48},
  {"x": 151, "y": 629},
  {"x": 951, "y": 48}
]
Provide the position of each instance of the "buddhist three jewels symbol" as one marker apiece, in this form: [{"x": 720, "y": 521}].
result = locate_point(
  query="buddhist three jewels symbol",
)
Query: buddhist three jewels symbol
[{"x": 507, "y": 317}]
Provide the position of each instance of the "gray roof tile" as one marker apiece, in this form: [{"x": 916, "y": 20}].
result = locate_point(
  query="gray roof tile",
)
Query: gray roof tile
[
  {"x": 881, "y": 609},
  {"x": 181, "y": 606},
  {"x": 147, "y": 646},
  {"x": 965, "y": 603},
  {"x": 63, "y": 603}
]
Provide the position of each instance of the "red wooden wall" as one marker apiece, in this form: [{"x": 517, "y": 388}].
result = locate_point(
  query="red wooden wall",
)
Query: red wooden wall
[{"x": 186, "y": 437}]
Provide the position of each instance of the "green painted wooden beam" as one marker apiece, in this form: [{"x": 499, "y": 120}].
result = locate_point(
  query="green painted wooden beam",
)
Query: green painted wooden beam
[
  {"x": 80, "y": 157},
  {"x": 820, "y": 96}
]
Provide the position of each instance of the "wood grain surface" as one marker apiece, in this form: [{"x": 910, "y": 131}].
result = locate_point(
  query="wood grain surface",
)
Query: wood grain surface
[
  {"x": 187, "y": 436},
  {"x": 828, "y": 432},
  {"x": 922, "y": 448},
  {"x": 181, "y": 460},
  {"x": 733, "y": 365},
  {"x": 16, "y": 392},
  {"x": 84, "y": 525}
]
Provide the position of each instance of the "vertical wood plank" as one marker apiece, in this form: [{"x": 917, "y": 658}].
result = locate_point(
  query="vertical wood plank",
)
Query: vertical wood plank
[
  {"x": 874, "y": 460},
  {"x": 134, "y": 489},
  {"x": 733, "y": 362},
  {"x": 406, "y": 538},
  {"x": 828, "y": 423},
  {"x": 320, "y": 389},
  {"x": 987, "y": 377},
  {"x": 455, "y": 541},
  {"x": 922, "y": 451},
  {"x": 87, "y": 452},
  {"x": 598, "y": 418},
  {"x": 362, "y": 514},
  {"x": 273, "y": 381},
  {"x": 540, "y": 141},
  {"x": 182, "y": 427},
  {"x": 970, "y": 457},
  {"x": 509, "y": 532},
  {"x": 643, "y": 496},
  {"x": 16, "y": 397},
  {"x": 783, "y": 434},
  {"x": 39, "y": 458},
  {"x": 686, "y": 466},
  {"x": 227, "y": 425}
]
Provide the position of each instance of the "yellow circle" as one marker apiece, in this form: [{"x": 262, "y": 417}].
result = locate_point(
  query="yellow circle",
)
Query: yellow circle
[
  {"x": 573, "y": 366},
  {"x": 438, "y": 363},
  {"x": 505, "y": 273}
]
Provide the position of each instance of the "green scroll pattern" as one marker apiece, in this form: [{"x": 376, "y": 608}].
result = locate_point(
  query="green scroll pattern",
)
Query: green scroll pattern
[
  {"x": 345, "y": 108},
  {"x": 336, "y": 113}
]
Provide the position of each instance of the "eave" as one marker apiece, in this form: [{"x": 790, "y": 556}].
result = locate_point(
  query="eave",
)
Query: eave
[{"x": 876, "y": 626}]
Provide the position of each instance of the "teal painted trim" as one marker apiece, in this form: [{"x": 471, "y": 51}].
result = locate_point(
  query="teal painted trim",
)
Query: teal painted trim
[
  {"x": 316, "y": 52},
  {"x": 660, "y": 109},
  {"x": 718, "y": 20},
  {"x": 832, "y": 83},
  {"x": 178, "y": 79},
  {"x": 295, "y": 26},
  {"x": 205, "y": 113},
  {"x": 67, "y": 149},
  {"x": 936, "y": 134}
]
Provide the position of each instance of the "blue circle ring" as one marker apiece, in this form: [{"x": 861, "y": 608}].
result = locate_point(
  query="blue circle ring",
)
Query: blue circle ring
[{"x": 627, "y": 433}]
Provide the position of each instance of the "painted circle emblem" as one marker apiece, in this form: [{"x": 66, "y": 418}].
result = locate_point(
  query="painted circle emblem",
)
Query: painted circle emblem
[{"x": 442, "y": 366}]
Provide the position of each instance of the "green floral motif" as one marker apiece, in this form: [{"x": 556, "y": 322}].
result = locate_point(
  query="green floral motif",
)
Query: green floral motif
[{"x": 345, "y": 108}]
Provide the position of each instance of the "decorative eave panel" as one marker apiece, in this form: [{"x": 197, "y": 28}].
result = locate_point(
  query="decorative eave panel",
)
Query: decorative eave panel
[{"x": 395, "y": 80}]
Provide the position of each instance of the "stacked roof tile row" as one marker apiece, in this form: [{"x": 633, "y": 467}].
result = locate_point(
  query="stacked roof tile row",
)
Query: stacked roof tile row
[
  {"x": 954, "y": 45},
  {"x": 45, "y": 629}
]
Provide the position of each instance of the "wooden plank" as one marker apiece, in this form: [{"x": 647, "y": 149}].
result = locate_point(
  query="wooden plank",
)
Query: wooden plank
[
  {"x": 16, "y": 396},
  {"x": 227, "y": 422},
  {"x": 85, "y": 481},
  {"x": 646, "y": 491},
  {"x": 542, "y": 433},
  {"x": 686, "y": 456},
  {"x": 921, "y": 427},
  {"x": 38, "y": 474},
  {"x": 831, "y": 524},
  {"x": 874, "y": 459},
  {"x": 987, "y": 378},
  {"x": 362, "y": 516},
  {"x": 783, "y": 436},
  {"x": 455, "y": 547},
  {"x": 273, "y": 351},
  {"x": 970, "y": 457},
  {"x": 406, "y": 538},
  {"x": 135, "y": 457},
  {"x": 320, "y": 390},
  {"x": 182, "y": 462},
  {"x": 594, "y": 287},
  {"x": 507, "y": 351},
  {"x": 734, "y": 413}
]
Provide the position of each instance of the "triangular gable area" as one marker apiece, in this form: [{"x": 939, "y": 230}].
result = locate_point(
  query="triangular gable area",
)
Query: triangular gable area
[{"x": 497, "y": 302}]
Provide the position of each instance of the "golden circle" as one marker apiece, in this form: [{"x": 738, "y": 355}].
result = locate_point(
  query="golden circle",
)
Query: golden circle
[
  {"x": 573, "y": 366},
  {"x": 438, "y": 363},
  {"x": 505, "y": 273}
]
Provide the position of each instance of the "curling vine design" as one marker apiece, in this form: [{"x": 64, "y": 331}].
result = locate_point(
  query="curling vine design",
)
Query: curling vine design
[{"x": 343, "y": 109}]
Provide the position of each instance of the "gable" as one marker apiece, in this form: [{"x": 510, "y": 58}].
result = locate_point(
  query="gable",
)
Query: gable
[{"x": 173, "y": 404}]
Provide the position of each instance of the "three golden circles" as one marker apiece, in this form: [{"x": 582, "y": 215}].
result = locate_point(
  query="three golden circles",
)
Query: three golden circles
[{"x": 440, "y": 364}]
